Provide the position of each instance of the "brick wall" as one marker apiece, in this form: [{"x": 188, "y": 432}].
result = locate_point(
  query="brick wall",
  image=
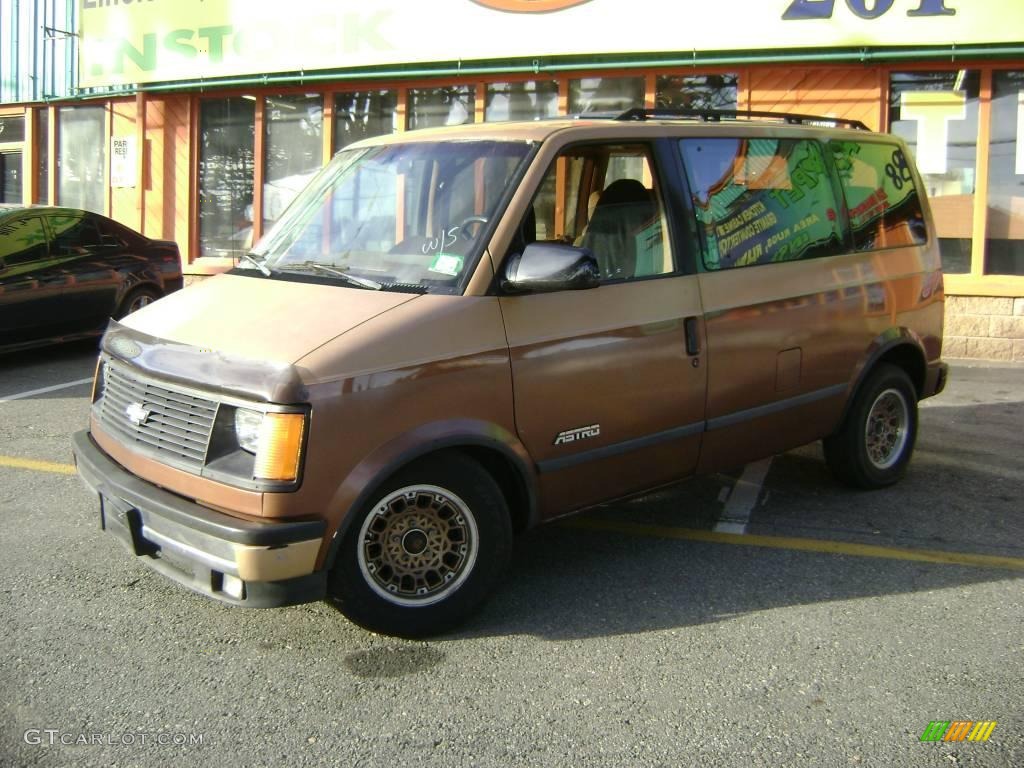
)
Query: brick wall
[{"x": 987, "y": 328}]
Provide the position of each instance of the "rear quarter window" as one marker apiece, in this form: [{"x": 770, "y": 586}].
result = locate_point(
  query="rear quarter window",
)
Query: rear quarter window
[
  {"x": 73, "y": 233},
  {"x": 22, "y": 243},
  {"x": 881, "y": 197},
  {"x": 760, "y": 201}
]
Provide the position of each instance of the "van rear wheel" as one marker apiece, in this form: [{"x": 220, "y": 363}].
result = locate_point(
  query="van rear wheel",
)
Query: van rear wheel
[
  {"x": 422, "y": 556},
  {"x": 873, "y": 446}
]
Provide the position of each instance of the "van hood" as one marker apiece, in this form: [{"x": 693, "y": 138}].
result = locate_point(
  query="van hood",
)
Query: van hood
[{"x": 261, "y": 319}]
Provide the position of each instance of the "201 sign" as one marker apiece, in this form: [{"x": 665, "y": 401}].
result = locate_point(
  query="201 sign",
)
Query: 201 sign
[{"x": 866, "y": 9}]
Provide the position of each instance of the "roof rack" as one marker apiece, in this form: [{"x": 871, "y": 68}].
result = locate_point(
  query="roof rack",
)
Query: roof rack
[{"x": 717, "y": 115}]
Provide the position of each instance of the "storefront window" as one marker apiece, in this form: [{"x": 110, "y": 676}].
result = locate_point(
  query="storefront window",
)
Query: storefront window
[
  {"x": 529, "y": 100},
  {"x": 10, "y": 177},
  {"x": 1004, "y": 245},
  {"x": 227, "y": 135},
  {"x": 937, "y": 113},
  {"x": 700, "y": 92},
  {"x": 12, "y": 134},
  {"x": 43, "y": 153},
  {"x": 430, "y": 107},
  {"x": 362, "y": 115},
  {"x": 81, "y": 158},
  {"x": 605, "y": 94},
  {"x": 12, "y": 129},
  {"x": 293, "y": 150}
]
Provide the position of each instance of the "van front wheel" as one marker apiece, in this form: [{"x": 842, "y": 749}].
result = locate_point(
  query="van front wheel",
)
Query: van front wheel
[
  {"x": 873, "y": 446},
  {"x": 423, "y": 555}
]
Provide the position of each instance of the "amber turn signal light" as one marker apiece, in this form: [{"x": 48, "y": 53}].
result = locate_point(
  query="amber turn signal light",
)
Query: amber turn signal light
[{"x": 280, "y": 446}]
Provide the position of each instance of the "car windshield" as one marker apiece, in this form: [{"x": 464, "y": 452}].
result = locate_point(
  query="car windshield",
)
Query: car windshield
[{"x": 406, "y": 217}]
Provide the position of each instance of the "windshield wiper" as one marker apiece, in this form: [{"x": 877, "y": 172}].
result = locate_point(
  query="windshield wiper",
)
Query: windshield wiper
[
  {"x": 258, "y": 264},
  {"x": 362, "y": 282}
]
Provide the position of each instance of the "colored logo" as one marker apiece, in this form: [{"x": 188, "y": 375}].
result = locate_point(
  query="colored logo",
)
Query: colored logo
[
  {"x": 958, "y": 730},
  {"x": 529, "y": 6}
]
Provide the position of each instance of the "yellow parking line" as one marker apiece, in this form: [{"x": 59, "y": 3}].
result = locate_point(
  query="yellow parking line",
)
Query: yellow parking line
[
  {"x": 803, "y": 545},
  {"x": 38, "y": 466},
  {"x": 692, "y": 534}
]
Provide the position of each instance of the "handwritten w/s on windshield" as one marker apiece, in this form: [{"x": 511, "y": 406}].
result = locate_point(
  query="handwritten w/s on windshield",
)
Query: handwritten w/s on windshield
[{"x": 442, "y": 241}]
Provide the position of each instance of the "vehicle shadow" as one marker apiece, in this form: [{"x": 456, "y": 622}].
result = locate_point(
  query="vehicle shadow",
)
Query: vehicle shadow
[
  {"x": 570, "y": 582},
  {"x": 573, "y": 584}
]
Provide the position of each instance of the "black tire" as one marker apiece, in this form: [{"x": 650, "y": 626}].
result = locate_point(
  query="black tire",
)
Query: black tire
[
  {"x": 873, "y": 446},
  {"x": 136, "y": 299},
  {"x": 425, "y": 552}
]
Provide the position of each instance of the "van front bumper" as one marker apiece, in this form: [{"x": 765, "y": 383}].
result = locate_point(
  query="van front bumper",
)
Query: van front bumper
[{"x": 250, "y": 563}]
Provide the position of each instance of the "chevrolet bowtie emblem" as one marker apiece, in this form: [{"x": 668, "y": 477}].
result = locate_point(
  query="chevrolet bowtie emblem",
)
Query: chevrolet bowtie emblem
[{"x": 137, "y": 414}]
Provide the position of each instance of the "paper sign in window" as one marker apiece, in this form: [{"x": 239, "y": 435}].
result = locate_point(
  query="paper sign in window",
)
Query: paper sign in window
[{"x": 933, "y": 111}]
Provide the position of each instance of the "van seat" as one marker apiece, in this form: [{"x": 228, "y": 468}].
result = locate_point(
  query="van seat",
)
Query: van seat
[{"x": 622, "y": 212}]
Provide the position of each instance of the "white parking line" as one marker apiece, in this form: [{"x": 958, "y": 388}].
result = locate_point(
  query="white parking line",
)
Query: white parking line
[
  {"x": 44, "y": 390},
  {"x": 743, "y": 498}
]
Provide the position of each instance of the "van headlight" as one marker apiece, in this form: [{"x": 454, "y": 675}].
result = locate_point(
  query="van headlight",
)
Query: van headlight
[
  {"x": 275, "y": 439},
  {"x": 247, "y": 429}
]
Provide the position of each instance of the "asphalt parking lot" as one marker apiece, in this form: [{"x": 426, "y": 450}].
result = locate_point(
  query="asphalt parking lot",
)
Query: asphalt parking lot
[{"x": 768, "y": 617}]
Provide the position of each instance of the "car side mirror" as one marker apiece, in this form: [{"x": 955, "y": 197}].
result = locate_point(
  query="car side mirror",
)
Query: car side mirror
[{"x": 548, "y": 267}]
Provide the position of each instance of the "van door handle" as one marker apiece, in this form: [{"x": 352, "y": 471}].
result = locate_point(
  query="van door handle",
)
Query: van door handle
[{"x": 692, "y": 328}]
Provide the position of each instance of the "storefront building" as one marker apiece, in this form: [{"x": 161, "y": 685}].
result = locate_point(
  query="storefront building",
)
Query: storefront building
[{"x": 198, "y": 120}]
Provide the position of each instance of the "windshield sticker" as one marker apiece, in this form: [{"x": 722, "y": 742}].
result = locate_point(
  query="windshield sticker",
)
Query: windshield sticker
[{"x": 447, "y": 264}]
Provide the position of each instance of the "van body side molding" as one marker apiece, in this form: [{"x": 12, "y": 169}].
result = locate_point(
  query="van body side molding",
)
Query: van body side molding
[
  {"x": 615, "y": 449},
  {"x": 689, "y": 430},
  {"x": 749, "y": 414}
]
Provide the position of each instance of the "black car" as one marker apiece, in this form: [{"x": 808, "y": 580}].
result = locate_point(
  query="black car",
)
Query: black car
[{"x": 64, "y": 272}]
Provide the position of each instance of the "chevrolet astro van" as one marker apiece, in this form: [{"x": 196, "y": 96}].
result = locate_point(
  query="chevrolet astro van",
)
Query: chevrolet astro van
[{"x": 455, "y": 334}]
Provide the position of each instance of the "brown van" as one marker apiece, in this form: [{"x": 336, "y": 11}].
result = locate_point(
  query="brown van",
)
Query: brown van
[{"x": 455, "y": 334}]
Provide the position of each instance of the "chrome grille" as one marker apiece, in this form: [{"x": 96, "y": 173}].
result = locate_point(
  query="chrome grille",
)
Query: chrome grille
[{"x": 168, "y": 423}]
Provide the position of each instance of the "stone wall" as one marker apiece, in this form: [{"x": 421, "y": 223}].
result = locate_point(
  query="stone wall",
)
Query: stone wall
[{"x": 985, "y": 328}]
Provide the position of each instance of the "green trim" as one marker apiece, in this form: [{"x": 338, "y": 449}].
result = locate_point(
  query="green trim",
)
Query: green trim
[{"x": 553, "y": 67}]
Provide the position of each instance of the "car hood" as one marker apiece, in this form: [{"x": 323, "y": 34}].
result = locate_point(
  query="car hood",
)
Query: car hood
[{"x": 261, "y": 319}]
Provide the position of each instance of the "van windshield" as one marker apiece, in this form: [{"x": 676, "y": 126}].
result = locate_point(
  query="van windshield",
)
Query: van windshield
[{"x": 405, "y": 217}]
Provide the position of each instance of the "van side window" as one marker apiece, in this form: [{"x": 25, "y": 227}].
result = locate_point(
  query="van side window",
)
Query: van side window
[
  {"x": 604, "y": 198},
  {"x": 760, "y": 201},
  {"x": 885, "y": 210}
]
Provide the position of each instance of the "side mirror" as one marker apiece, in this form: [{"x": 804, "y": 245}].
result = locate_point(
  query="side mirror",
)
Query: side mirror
[{"x": 548, "y": 267}]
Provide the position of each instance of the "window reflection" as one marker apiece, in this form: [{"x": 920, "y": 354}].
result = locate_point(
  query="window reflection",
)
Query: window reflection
[
  {"x": 696, "y": 92},
  {"x": 432, "y": 107},
  {"x": 81, "y": 158},
  {"x": 227, "y": 135},
  {"x": 10, "y": 177},
  {"x": 605, "y": 94},
  {"x": 43, "y": 153},
  {"x": 362, "y": 115},
  {"x": 529, "y": 100},
  {"x": 294, "y": 149}
]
